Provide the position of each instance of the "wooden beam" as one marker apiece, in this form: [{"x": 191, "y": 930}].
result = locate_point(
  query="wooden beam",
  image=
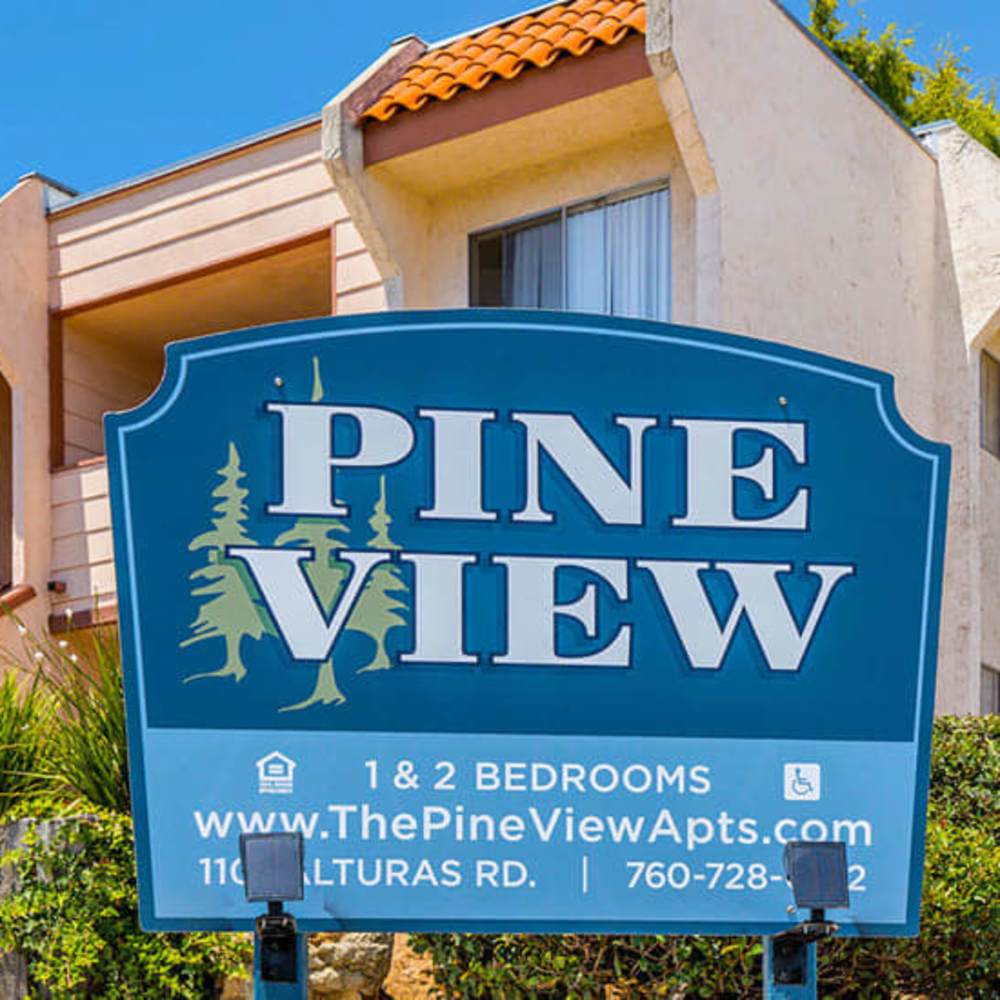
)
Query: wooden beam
[
  {"x": 6, "y": 485},
  {"x": 534, "y": 90},
  {"x": 89, "y": 618},
  {"x": 57, "y": 414},
  {"x": 16, "y": 596},
  {"x": 333, "y": 270},
  {"x": 179, "y": 277},
  {"x": 83, "y": 463}
]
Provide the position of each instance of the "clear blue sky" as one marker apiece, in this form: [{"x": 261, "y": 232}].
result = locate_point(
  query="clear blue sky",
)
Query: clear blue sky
[{"x": 95, "y": 91}]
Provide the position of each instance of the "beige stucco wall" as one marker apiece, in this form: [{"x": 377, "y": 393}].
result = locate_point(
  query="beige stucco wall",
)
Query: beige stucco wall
[
  {"x": 827, "y": 215},
  {"x": 802, "y": 213},
  {"x": 969, "y": 201},
  {"x": 24, "y": 361},
  {"x": 970, "y": 191},
  {"x": 990, "y": 560},
  {"x": 828, "y": 227},
  {"x": 832, "y": 238},
  {"x": 988, "y": 512}
]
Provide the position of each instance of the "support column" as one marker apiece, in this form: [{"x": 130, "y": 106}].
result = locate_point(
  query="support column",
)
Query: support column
[
  {"x": 282, "y": 991},
  {"x": 793, "y": 956}
]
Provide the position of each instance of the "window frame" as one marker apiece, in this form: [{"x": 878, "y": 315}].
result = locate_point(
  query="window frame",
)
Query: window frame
[
  {"x": 989, "y": 439},
  {"x": 986, "y": 671},
  {"x": 9, "y": 476},
  {"x": 562, "y": 213}
]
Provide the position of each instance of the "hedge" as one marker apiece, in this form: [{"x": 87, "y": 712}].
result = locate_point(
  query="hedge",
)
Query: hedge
[
  {"x": 74, "y": 915},
  {"x": 74, "y": 918},
  {"x": 957, "y": 954}
]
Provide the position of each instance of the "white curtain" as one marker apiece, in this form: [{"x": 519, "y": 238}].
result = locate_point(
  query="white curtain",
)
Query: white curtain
[
  {"x": 618, "y": 258},
  {"x": 586, "y": 277},
  {"x": 532, "y": 267}
]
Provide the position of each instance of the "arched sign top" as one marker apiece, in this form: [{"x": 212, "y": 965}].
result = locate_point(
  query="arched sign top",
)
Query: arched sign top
[
  {"x": 558, "y": 537},
  {"x": 179, "y": 353}
]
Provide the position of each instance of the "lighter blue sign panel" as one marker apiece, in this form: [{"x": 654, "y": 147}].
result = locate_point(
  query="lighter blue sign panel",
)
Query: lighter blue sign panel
[{"x": 527, "y": 621}]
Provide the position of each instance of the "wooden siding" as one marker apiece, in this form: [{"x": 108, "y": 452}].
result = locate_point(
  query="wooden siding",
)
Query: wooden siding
[
  {"x": 264, "y": 198},
  {"x": 82, "y": 556},
  {"x": 158, "y": 238},
  {"x": 97, "y": 378}
]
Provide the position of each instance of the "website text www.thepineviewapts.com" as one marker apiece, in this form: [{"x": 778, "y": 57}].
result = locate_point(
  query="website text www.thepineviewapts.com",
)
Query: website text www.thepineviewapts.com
[
  {"x": 565, "y": 824},
  {"x": 512, "y": 824}
]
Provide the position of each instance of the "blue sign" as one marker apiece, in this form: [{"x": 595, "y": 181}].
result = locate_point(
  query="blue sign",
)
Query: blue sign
[{"x": 527, "y": 621}]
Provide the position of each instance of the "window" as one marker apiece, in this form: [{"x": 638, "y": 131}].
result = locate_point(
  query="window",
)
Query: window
[
  {"x": 608, "y": 256},
  {"x": 989, "y": 403},
  {"x": 989, "y": 690}
]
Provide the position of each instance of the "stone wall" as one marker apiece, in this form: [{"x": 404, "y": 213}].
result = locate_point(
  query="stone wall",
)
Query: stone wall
[
  {"x": 348, "y": 966},
  {"x": 341, "y": 967},
  {"x": 13, "y": 968}
]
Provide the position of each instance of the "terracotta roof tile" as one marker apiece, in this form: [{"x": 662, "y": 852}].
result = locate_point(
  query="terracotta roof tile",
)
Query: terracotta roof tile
[{"x": 504, "y": 50}]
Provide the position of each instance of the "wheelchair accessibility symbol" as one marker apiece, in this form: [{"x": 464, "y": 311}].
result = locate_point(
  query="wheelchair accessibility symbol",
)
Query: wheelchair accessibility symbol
[{"x": 802, "y": 782}]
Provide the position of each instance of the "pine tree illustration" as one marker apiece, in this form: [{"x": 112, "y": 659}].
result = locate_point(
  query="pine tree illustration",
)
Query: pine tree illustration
[
  {"x": 231, "y": 609},
  {"x": 327, "y": 575},
  {"x": 376, "y": 610}
]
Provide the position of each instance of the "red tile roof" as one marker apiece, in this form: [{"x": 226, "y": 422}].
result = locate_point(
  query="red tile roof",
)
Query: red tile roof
[{"x": 502, "y": 51}]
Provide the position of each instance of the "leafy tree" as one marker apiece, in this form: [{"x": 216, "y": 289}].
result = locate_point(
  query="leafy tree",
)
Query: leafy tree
[
  {"x": 915, "y": 92},
  {"x": 326, "y": 573},
  {"x": 948, "y": 93},
  {"x": 376, "y": 610},
  {"x": 882, "y": 63},
  {"x": 230, "y": 611}
]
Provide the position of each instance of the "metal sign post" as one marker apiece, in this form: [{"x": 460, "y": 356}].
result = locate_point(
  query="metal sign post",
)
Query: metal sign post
[
  {"x": 775, "y": 986},
  {"x": 527, "y": 622},
  {"x": 817, "y": 873},
  {"x": 267, "y": 989},
  {"x": 272, "y": 867}
]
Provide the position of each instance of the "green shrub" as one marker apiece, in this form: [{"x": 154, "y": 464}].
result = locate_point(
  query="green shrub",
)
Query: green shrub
[
  {"x": 965, "y": 771},
  {"x": 570, "y": 966},
  {"x": 77, "y": 695},
  {"x": 74, "y": 914},
  {"x": 25, "y": 715},
  {"x": 74, "y": 919},
  {"x": 89, "y": 747},
  {"x": 957, "y": 954}
]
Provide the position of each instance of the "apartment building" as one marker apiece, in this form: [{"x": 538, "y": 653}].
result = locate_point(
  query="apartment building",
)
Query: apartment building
[{"x": 694, "y": 161}]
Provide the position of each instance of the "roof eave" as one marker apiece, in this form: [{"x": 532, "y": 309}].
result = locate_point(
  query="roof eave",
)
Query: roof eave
[{"x": 190, "y": 163}]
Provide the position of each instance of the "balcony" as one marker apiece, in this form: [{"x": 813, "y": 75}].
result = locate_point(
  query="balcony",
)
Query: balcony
[{"x": 248, "y": 236}]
